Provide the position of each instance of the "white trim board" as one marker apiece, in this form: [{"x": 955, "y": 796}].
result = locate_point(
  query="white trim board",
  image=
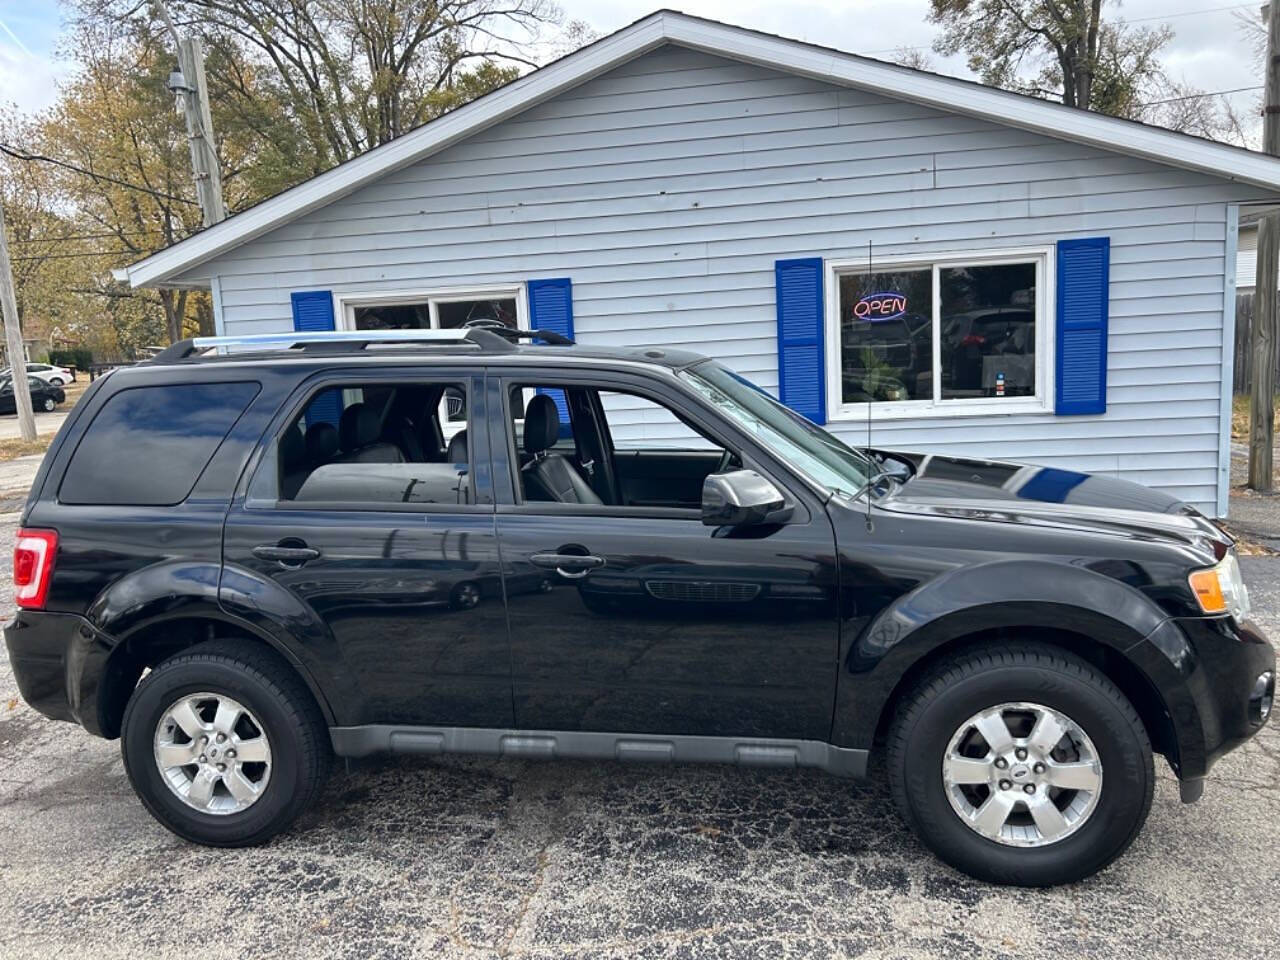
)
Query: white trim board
[
  {"x": 663, "y": 27},
  {"x": 1227, "y": 385},
  {"x": 839, "y": 412}
]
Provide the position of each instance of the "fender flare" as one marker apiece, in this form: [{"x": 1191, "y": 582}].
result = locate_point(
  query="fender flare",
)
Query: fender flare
[
  {"x": 172, "y": 591},
  {"x": 1063, "y": 597}
]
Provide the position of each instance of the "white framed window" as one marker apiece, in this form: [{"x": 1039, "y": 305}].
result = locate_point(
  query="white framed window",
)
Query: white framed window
[
  {"x": 434, "y": 309},
  {"x": 964, "y": 334}
]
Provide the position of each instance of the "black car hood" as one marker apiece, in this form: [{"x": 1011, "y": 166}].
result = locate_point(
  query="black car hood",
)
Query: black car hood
[{"x": 1000, "y": 491}]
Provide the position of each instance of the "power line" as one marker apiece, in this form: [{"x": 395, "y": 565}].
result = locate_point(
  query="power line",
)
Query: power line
[
  {"x": 1198, "y": 96},
  {"x": 1190, "y": 13},
  {"x": 23, "y": 155},
  {"x": 89, "y": 236},
  {"x": 73, "y": 256}
]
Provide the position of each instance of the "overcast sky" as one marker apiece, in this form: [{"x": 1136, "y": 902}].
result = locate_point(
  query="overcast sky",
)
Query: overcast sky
[{"x": 1208, "y": 50}]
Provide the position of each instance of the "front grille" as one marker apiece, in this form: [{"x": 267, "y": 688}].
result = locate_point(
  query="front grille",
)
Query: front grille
[{"x": 702, "y": 591}]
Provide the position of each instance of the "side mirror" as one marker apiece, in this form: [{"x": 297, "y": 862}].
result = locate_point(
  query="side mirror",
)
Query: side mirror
[{"x": 742, "y": 498}]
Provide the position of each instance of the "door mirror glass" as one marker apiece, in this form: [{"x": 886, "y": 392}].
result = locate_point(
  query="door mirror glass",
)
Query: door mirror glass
[{"x": 742, "y": 498}]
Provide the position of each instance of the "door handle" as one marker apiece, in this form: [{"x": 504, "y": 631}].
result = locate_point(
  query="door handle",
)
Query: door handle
[
  {"x": 285, "y": 556},
  {"x": 569, "y": 565}
]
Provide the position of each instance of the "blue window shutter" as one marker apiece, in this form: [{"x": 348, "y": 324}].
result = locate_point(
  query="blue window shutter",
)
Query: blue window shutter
[
  {"x": 1083, "y": 281},
  {"x": 551, "y": 306},
  {"x": 313, "y": 311},
  {"x": 802, "y": 374},
  {"x": 551, "y": 309}
]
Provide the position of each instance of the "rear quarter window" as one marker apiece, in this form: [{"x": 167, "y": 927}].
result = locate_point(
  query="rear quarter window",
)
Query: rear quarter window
[{"x": 147, "y": 446}]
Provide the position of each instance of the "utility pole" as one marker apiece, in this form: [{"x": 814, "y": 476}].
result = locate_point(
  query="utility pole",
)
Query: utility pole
[
  {"x": 13, "y": 339},
  {"x": 188, "y": 82},
  {"x": 1263, "y": 346}
]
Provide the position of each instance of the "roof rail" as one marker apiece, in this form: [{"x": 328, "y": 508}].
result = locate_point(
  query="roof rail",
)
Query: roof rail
[{"x": 484, "y": 337}]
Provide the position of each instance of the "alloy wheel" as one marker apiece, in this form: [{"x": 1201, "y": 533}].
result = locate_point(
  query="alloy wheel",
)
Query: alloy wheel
[
  {"x": 1022, "y": 774},
  {"x": 213, "y": 753}
]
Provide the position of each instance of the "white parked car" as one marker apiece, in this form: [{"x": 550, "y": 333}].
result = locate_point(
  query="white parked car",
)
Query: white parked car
[{"x": 57, "y": 376}]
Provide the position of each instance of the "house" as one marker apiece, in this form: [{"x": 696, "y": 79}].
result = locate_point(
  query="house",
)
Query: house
[{"x": 937, "y": 264}]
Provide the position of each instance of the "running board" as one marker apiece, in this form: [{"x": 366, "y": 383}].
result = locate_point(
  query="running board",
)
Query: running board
[{"x": 584, "y": 745}]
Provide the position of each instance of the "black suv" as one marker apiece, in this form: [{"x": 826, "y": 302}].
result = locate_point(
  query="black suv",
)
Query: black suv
[{"x": 243, "y": 560}]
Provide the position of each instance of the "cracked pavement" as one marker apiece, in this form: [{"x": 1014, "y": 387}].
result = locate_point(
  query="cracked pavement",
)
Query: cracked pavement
[{"x": 483, "y": 858}]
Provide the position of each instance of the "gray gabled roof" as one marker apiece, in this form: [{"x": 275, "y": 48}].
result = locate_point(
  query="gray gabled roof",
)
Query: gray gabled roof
[{"x": 669, "y": 27}]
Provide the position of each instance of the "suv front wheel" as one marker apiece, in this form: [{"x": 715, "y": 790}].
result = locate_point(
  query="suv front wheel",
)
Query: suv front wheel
[
  {"x": 224, "y": 744},
  {"x": 1021, "y": 765}
]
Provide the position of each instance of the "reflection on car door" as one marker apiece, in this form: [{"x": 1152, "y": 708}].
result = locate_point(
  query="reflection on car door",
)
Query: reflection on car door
[
  {"x": 655, "y": 623},
  {"x": 401, "y": 601}
]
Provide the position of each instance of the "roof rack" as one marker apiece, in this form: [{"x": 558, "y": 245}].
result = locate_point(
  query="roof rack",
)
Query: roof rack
[{"x": 484, "y": 337}]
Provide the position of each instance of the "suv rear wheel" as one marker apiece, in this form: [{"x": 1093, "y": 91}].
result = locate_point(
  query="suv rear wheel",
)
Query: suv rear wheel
[
  {"x": 224, "y": 744},
  {"x": 1021, "y": 765}
]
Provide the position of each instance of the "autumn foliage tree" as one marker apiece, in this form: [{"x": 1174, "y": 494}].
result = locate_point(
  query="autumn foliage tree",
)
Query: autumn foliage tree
[{"x": 103, "y": 177}]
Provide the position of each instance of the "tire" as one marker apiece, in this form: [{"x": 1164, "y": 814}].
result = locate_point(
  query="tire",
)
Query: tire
[
  {"x": 1015, "y": 676},
  {"x": 465, "y": 596},
  {"x": 273, "y": 696},
  {"x": 49, "y": 404},
  {"x": 56, "y": 381}
]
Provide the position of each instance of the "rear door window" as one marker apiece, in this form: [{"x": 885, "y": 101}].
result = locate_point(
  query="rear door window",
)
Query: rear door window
[{"x": 147, "y": 446}]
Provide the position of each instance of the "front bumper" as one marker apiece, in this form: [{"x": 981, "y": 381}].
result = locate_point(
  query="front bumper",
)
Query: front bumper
[
  {"x": 59, "y": 661},
  {"x": 1206, "y": 671}
]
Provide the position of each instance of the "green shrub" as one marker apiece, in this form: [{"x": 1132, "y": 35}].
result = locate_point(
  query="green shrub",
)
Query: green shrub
[{"x": 79, "y": 357}]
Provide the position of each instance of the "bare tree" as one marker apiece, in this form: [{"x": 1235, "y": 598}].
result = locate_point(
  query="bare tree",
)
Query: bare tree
[
  {"x": 1050, "y": 48},
  {"x": 357, "y": 73},
  {"x": 913, "y": 57}
]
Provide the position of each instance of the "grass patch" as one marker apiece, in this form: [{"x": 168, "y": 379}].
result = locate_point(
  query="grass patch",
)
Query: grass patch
[{"x": 17, "y": 447}]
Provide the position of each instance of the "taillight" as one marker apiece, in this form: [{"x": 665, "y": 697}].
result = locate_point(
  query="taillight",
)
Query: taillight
[
  {"x": 973, "y": 340},
  {"x": 33, "y": 566}
]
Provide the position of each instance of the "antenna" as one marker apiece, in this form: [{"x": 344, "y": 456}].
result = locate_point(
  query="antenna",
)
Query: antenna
[{"x": 872, "y": 399}]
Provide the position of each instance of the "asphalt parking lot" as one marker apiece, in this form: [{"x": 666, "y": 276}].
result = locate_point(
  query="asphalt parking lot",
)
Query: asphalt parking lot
[{"x": 478, "y": 858}]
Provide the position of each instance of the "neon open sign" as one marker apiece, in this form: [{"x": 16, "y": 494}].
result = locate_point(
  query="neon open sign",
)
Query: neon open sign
[{"x": 880, "y": 306}]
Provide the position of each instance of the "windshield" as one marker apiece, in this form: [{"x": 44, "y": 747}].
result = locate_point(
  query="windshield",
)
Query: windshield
[{"x": 790, "y": 437}]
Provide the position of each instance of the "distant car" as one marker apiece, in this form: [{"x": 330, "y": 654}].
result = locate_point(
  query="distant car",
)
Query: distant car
[
  {"x": 44, "y": 396},
  {"x": 57, "y": 376}
]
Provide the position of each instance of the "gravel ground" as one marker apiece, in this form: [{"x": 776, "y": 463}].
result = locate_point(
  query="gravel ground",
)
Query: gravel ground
[
  {"x": 477, "y": 858},
  {"x": 1254, "y": 516}
]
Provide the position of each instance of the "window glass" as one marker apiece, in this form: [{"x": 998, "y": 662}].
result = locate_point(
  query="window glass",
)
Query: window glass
[
  {"x": 886, "y": 336},
  {"x": 459, "y": 313},
  {"x": 988, "y": 339},
  {"x": 790, "y": 437},
  {"x": 637, "y": 423},
  {"x": 656, "y": 461},
  {"x": 149, "y": 445},
  {"x": 386, "y": 444},
  {"x": 450, "y": 314}
]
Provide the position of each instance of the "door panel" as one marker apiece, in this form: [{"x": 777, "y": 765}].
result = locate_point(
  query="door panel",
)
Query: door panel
[
  {"x": 408, "y": 596},
  {"x": 412, "y": 604},
  {"x": 678, "y": 631},
  {"x": 666, "y": 478},
  {"x": 665, "y": 626}
]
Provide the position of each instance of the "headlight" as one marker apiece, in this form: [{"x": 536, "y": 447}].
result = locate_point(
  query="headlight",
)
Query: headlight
[{"x": 1221, "y": 589}]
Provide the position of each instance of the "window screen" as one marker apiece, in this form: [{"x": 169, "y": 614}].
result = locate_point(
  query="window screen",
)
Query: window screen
[{"x": 148, "y": 445}]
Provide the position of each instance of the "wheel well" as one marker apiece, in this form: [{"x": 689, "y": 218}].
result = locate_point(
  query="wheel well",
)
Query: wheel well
[
  {"x": 1110, "y": 662},
  {"x": 152, "y": 645}
]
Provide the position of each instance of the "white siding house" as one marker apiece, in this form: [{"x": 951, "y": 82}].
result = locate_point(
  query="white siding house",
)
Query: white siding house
[{"x": 708, "y": 187}]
